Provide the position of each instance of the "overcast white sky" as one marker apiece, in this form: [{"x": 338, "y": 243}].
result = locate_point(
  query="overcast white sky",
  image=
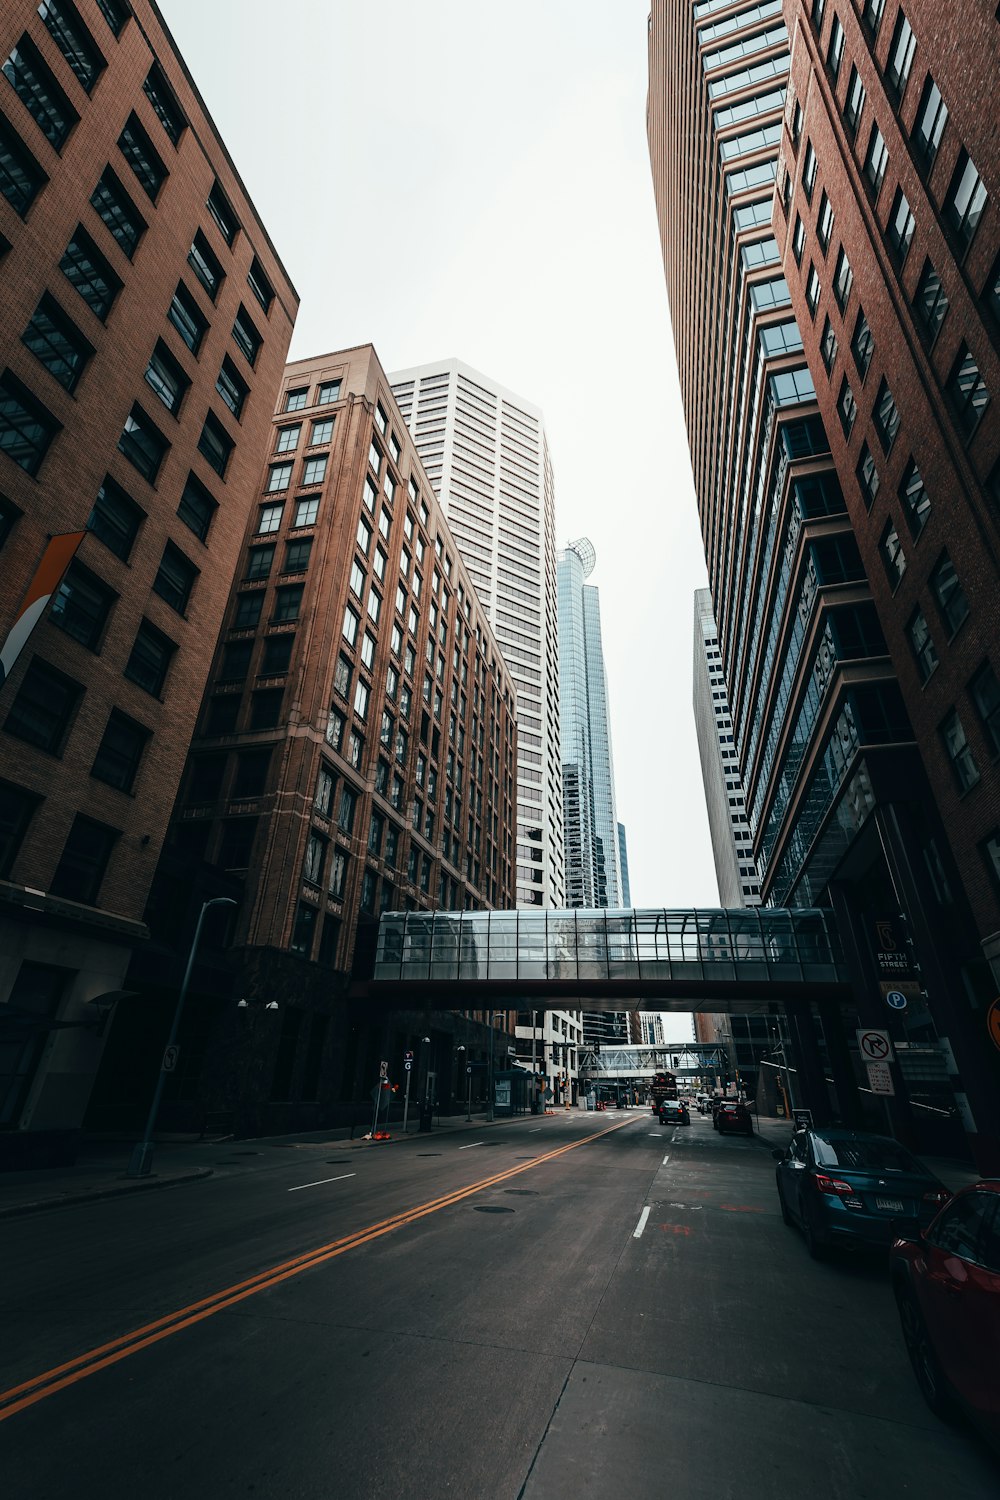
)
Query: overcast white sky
[{"x": 449, "y": 178}]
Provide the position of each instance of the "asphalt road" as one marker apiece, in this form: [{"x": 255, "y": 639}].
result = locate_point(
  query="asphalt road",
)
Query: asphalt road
[{"x": 589, "y": 1305}]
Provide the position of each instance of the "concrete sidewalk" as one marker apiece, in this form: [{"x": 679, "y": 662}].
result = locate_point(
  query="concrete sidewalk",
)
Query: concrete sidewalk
[{"x": 100, "y": 1168}]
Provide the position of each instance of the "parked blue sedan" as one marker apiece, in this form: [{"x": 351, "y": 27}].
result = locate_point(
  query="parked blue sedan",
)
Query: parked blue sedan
[{"x": 846, "y": 1187}]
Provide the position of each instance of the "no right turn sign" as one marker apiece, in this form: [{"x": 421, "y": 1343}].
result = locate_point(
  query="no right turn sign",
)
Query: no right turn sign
[{"x": 874, "y": 1045}]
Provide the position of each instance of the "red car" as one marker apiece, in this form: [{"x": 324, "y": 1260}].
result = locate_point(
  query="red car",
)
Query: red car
[{"x": 947, "y": 1284}]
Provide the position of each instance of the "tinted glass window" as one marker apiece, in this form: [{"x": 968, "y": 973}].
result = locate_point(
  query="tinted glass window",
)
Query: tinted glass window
[{"x": 859, "y": 1155}]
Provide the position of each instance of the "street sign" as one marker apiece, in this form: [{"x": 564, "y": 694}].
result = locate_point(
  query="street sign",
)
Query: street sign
[
  {"x": 408, "y": 1065},
  {"x": 993, "y": 1022},
  {"x": 803, "y": 1119},
  {"x": 880, "y": 1078},
  {"x": 891, "y": 956},
  {"x": 383, "y": 1069},
  {"x": 896, "y": 1000},
  {"x": 468, "y": 1067},
  {"x": 875, "y": 1045},
  {"x": 408, "y": 1057},
  {"x": 170, "y": 1056},
  {"x": 511, "y": 1051}
]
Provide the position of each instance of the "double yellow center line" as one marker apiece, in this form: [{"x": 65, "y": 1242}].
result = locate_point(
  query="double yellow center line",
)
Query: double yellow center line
[{"x": 29, "y": 1392}]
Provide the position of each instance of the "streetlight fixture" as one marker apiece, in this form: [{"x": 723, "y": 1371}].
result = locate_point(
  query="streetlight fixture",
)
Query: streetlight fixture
[
  {"x": 468, "y": 1079},
  {"x": 141, "y": 1160}
]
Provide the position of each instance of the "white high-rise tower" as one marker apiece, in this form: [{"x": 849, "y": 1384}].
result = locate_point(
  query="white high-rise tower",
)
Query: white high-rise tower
[{"x": 485, "y": 451}]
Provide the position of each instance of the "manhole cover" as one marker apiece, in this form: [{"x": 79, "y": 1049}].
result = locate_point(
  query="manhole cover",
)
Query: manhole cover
[
  {"x": 521, "y": 1192},
  {"x": 427, "y": 1154},
  {"x": 491, "y": 1208}
]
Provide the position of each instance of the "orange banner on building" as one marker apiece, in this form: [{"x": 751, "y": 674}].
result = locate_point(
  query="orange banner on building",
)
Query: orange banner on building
[{"x": 55, "y": 560}]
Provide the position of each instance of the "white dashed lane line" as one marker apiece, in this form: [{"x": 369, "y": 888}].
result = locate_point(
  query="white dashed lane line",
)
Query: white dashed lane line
[{"x": 637, "y": 1231}]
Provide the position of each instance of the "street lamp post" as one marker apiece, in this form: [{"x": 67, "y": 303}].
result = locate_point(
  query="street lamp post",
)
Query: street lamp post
[
  {"x": 489, "y": 1085},
  {"x": 141, "y": 1160},
  {"x": 461, "y": 1059}
]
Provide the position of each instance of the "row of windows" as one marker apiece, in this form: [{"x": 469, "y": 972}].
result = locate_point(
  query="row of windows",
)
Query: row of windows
[{"x": 85, "y": 855}]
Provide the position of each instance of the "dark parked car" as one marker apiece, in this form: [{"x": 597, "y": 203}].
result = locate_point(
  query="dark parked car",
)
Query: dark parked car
[
  {"x": 674, "y": 1112},
  {"x": 846, "y": 1187},
  {"x": 947, "y": 1284},
  {"x": 733, "y": 1114}
]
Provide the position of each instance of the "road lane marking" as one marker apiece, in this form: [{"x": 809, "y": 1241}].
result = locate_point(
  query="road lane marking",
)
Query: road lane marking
[
  {"x": 665, "y": 1160},
  {"x": 637, "y": 1231},
  {"x": 321, "y": 1182},
  {"x": 655, "y": 1134},
  {"x": 82, "y": 1365},
  {"x": 470, "y": 1145}
]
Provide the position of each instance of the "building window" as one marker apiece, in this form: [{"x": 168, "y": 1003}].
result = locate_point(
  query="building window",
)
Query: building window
[
  {"x": 21, "y": 178},
  {"x": 867, "y": 473},
  {"x": 215, "y": 444},
  {"x": 205, "y": 265},
  {"x": 798, "y": 239},
  {"x": 270, "y": 519},
  {"x": 26, "y": 428},
  {"x": 259, "y": 285},
  {"x": 828, "y": 345},
  {"x": 315, "y": 859},
  {"x": 44, "y": 707},
  {"x": 297, "y": 555},
  {"x": 73, "y": 40},
  {"x": 374, "y": 455},
  {"x": 931, "y": 302},
  {"x": 963, "y": 207},
  {"x": 40, "y": 93},
  {"x": 914, "y": 498},
  {"x": 260, "y": 560},
  {"x": 985, "y": 690},
  {"x": 361, "y": 695},
  {"x": 187, "y": 318},
  {"x": 81, "y": 606},
  {"x": 325, "y": 785},
  {"x": 143, "y": 444},
  {"x": 921, "y": 644},
  {"x": 85, "y": 268},
  {"x": 265, "y": 708},
  {"x": 855, "y": 102},
  {"x": 892, "y": 554},
  {"x": 115, "y": 518},
  {"x": 824, "y": 223},
  {"x": 301, "y": 944},
  {"x": 349, "y": 629},
  {"x": 149, "y": 660},
  {"x": 141, "y": 155},
  {"x": 236, "y": 661},
  {"x": 306, "y": 511},
  {"x": 338, "y": 873},
  {"x": 991, "y": 291},
  {"x": 314, "y": 471},
  {"x": 17, "y": 808},
  {"x": 84, "y": 860},
  {"x": 232, "y": 388},
  {"x": 123, "y": 220},
  {"x": 843, "y": 279},
  {"x": 967, "y": 391},
  {"x": 175, "y": 578},
  {"x": 248, "y": 609},
  {"x": 221, "y": 210},
  {"x": 288, "y": 438},
  {"x": 368, "y": 650},
  {"x": 376, "y": 829},
  {"x": 322, "y": 432},
  {"x": 246, "y": 337},
  {"x": 847, "y": 407},
  {"x": 342, "y": 674},
  {"x": 810, "y": 167},
  {"x": 335, "y": 728},
  {"x": 277, "y": 654},
  {"x": 885, "y": 416},
  {"x": 928, "y": 127},
  {"x": 120, "y": 751},
  {"x": 57, "y": 343},
  {"x": 991, "y": 853},
  {"x": 900, "y": 59},
  {"x": 296, "y": 400},
  {"x": 812, "y": 290},
  {"x": 899, "y": 230},
  {"x": 166, "y": 377},
  {"x": 959, "y": 752},
  {"x": 947, "y": 591},
  {"x": 346, "y": 810},
  {"x": 876, "y": 160},
  {"x": 165, "y": 106},
  {"x": 835, "y": 49},
  {"x": 329, "y": 392},
  {"x": 871, "y": 14}
]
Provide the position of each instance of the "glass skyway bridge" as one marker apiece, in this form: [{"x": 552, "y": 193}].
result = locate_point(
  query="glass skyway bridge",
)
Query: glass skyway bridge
[{"x": 685, "y": 960}]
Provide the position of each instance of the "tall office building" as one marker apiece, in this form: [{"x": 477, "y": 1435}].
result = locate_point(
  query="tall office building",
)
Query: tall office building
[
  {"x": 838, "y": 763},
  {"x": 145, "y": 323},
  {"x": 623, "y": 866},
  {"x": 590, "y": 820},
  {"x": 355, "y": 754},
  {"x": 486, "y": 454},
  {"x": 720, "y": 773}
]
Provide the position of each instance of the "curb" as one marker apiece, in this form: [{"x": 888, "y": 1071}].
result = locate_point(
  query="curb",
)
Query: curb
[{"x": 71, "y": 1199}]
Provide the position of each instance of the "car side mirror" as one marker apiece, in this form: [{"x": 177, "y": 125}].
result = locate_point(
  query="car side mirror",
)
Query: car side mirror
[
  {"x": 907, "y": 1229},
  {"x": 779, "y": 1155}
]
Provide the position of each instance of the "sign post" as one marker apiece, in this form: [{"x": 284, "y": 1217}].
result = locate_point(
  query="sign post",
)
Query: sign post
[{"x": 408, "y": 1069}]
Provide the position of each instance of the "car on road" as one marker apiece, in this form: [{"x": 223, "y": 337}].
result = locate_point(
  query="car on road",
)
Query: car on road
[
  {"x": 946, "y": 1278},
  {"x": 674, "y": 1112},
  {"x": 845, "y": 1187},
  {"x": 733, "y": 1114}
]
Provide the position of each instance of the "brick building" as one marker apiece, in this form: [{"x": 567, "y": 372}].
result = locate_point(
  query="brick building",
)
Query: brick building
[
  {"x": 145, "y": 324},
  {"x": 356, "y": 753},
  {"x": 828, "y": 607}
]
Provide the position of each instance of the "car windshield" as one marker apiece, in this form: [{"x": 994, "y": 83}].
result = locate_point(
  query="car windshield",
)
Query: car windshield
[{"x": 864, "y": 1156}]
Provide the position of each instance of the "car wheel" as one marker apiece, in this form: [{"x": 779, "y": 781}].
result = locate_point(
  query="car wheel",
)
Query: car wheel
[
  {"x": 786, "y": 1217},
  {"x": 816, "y": 1246},
  {"x": 930, "y": 1376}
]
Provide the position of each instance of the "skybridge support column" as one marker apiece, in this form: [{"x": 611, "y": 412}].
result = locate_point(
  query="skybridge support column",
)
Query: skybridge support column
[{"x": 812, "y": 1092}]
